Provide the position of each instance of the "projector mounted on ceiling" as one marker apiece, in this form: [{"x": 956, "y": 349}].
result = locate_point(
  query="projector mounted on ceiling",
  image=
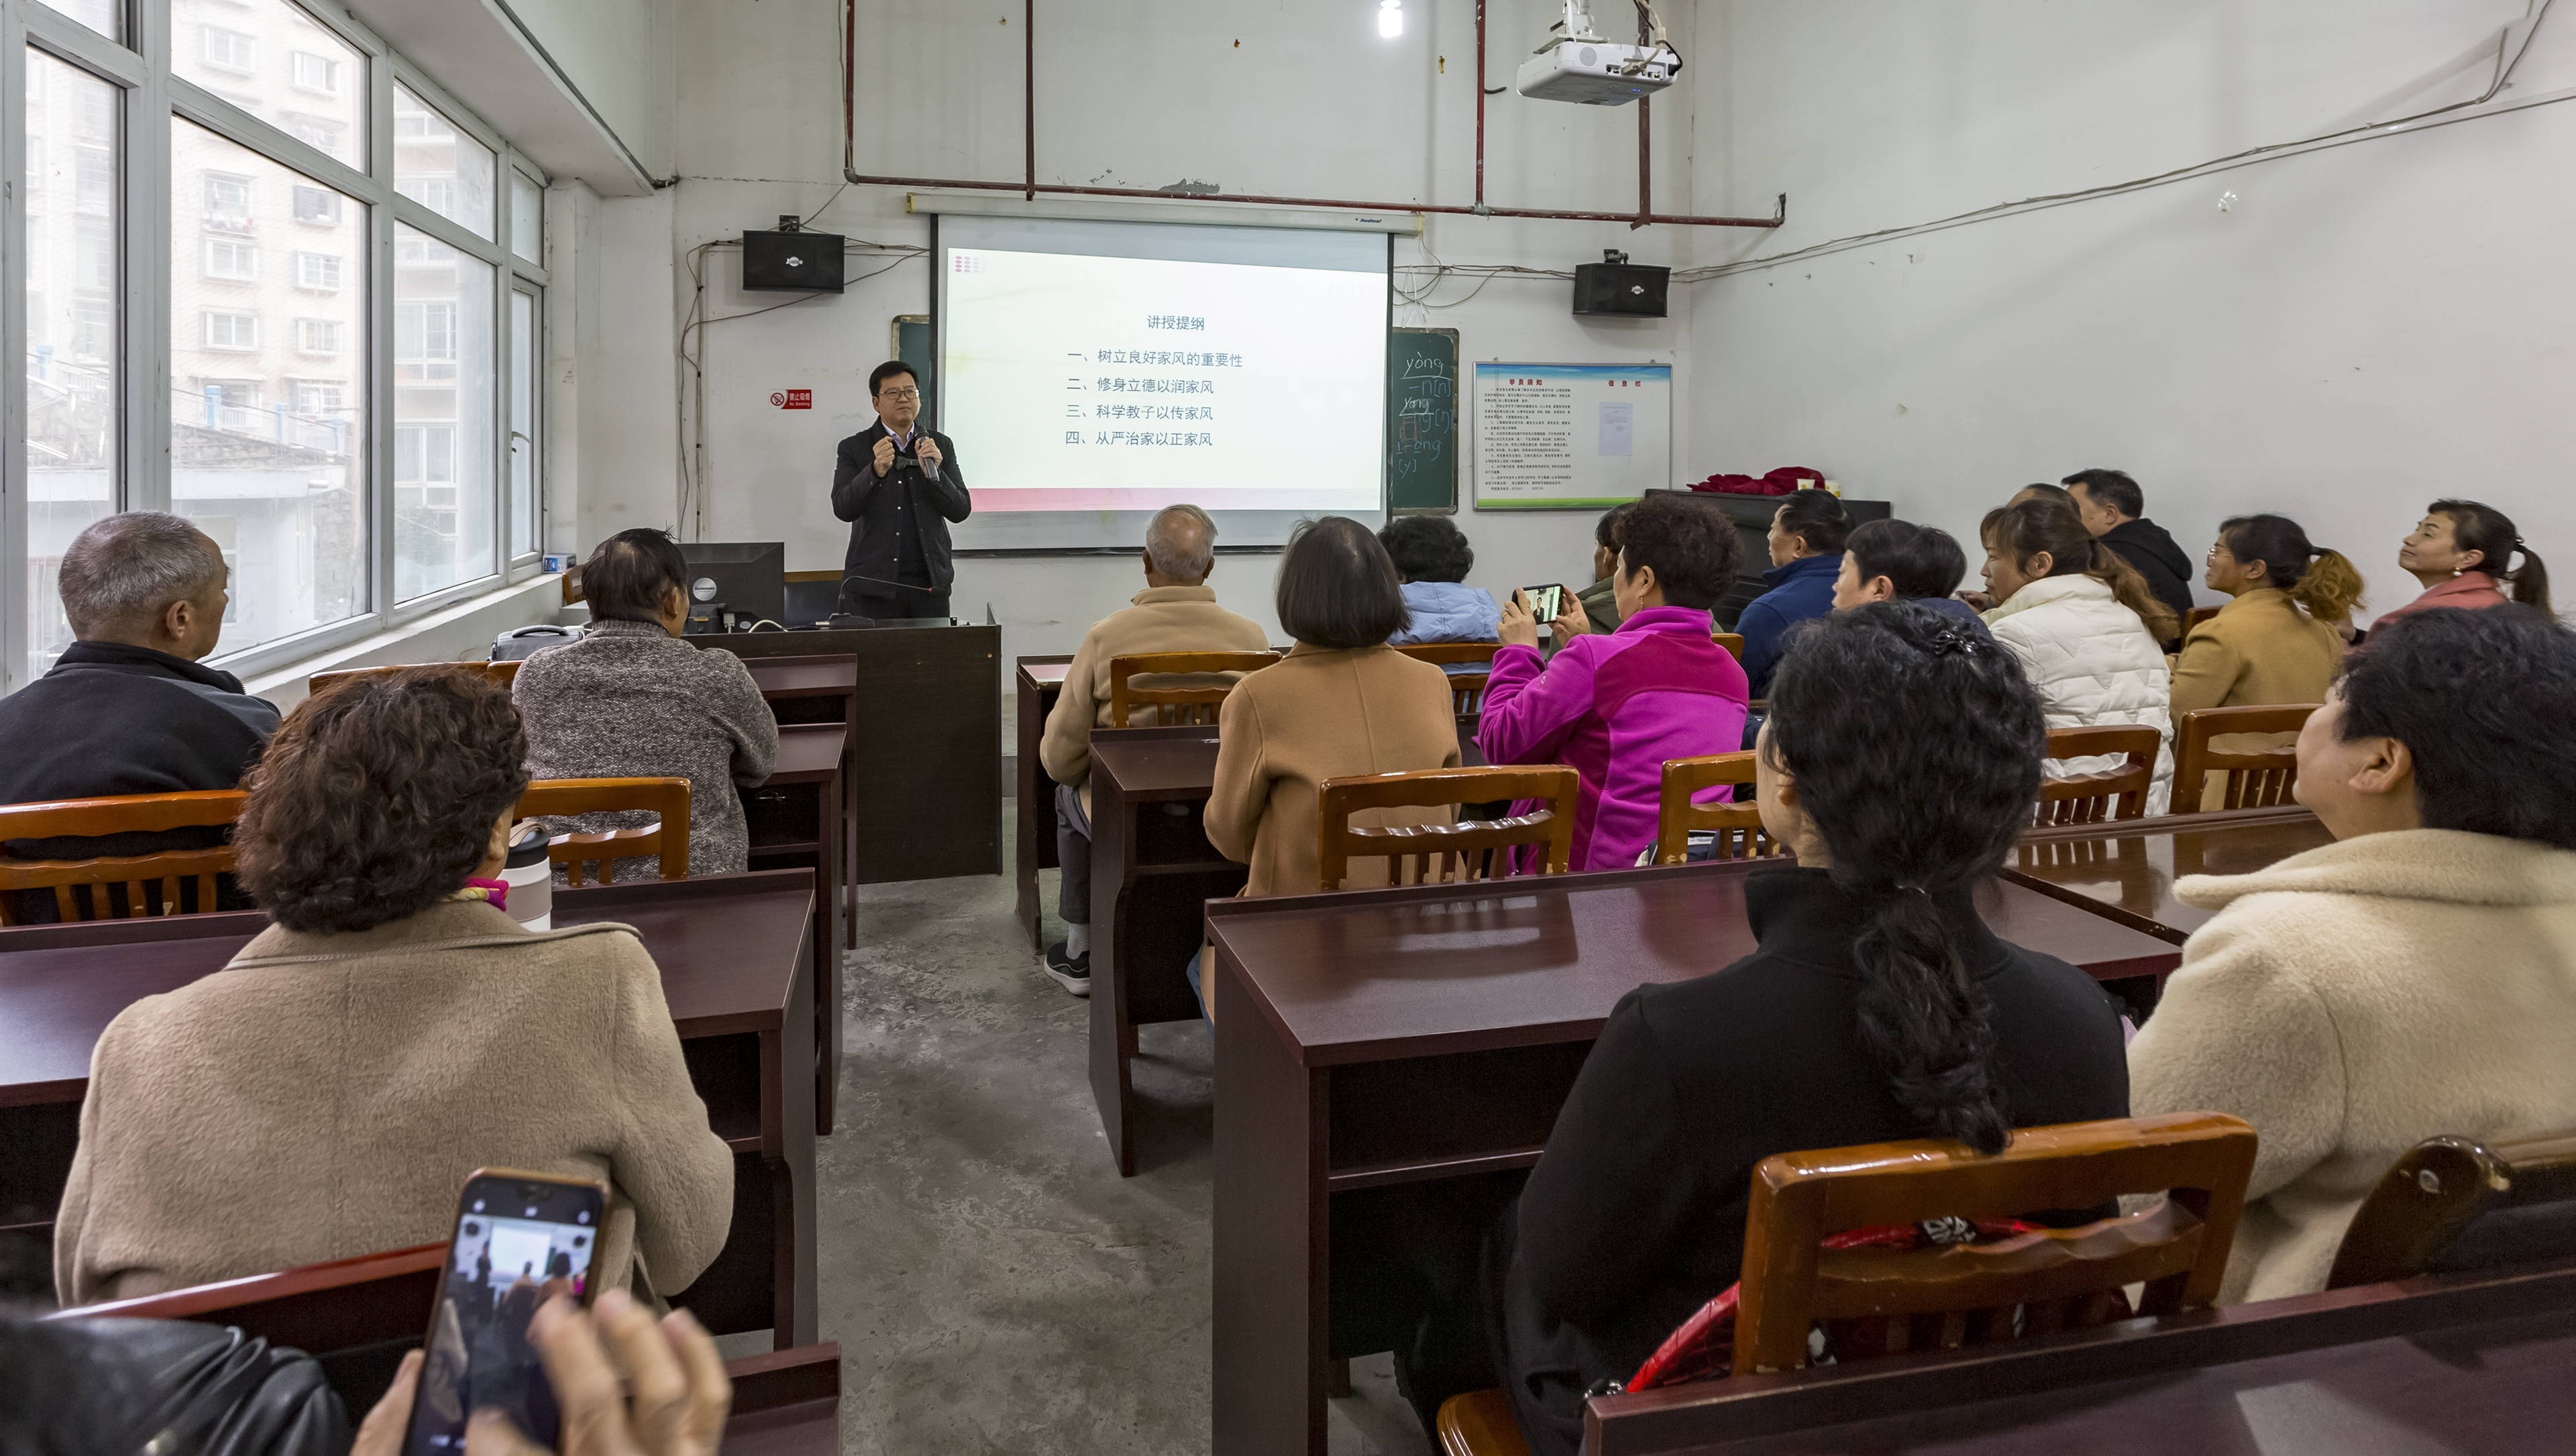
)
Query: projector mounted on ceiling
[{"x": 1577, "y": 65}]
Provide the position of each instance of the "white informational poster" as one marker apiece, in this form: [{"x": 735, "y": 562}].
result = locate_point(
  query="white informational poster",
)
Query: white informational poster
[{"x": 1571, "y": 436}]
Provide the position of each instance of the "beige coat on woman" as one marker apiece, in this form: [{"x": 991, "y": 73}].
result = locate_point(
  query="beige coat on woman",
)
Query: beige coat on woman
[
  {"x": 1321, "y": 714},
  {"x": 2351, "y": 1002},
  {"x": 325, "y": 1096}
]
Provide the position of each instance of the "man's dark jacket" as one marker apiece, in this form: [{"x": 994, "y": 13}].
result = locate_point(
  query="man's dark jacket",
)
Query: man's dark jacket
[
  {"x": 876, "y": 508},
  {"x": 2148, "y": 547},
  {"x": 113, "y": 719}
]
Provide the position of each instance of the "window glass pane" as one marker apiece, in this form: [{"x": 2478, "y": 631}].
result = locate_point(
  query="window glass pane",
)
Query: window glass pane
[
  {"x": 107, "y": 17},
  {"x": 267, "y": 410},
  {"x": 72, "y": 354},
  {"x": 527, "y": 218},
  {"x": 440, "y": 167},
  {"x": 272, "y": 60},
  {"x": 444, "y": 373},
  {"x": 523, "y": 422}
]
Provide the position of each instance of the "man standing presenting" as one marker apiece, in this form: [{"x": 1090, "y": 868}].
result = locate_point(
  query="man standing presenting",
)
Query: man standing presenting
[
  {"x": 2113, "y": 510},
  {"x": 898, "y": 486}
]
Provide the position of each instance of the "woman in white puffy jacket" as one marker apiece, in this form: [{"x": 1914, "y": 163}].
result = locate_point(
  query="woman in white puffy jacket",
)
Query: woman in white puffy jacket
[{"x": 2086, "y": 630}]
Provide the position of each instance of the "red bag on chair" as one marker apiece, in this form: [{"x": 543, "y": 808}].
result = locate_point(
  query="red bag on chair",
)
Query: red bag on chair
[{"x": 1704, "y": 1347}]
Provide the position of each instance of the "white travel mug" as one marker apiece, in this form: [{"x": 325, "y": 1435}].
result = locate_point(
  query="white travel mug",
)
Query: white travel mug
[{"x": 530, "y": 876}]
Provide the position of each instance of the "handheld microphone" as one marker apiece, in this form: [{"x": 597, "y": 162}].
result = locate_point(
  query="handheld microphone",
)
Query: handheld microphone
[{"x": 928, "y": 467}]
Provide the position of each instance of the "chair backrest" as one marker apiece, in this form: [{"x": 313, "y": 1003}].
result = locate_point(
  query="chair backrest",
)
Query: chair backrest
[
  {"x": 499, "y": 672},
  {"x": 1477, "y": 849},
  {"x": 317, "y": 1308},
  {"x": 2195, "y": 617},
  {"x": 1194, "y": 702},
  {"x": 2038, "y": 1283},
  {"x": 2452, "y": 1205},
  {"x": 2257, "y": 778},
  {"x": 1738, "y": 825},
  {"x": 1731, "y": 641},
  {"x": 667, "y": 838},
  {"x": 1466, "y": 689},
  {"x": 2099, "y": 797},
  {"x": 88, "y": 889}
]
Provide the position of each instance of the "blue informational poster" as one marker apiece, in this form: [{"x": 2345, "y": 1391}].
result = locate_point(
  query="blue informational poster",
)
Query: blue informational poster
[{"x": 1571, "y": 436}]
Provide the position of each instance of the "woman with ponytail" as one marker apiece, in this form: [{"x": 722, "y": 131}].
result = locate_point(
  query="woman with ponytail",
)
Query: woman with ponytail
[
  {"x": 2087, "y": 630},
  {"x": 2465, "y": 554},
  {"x": 2278, "y": 639},
  {"x": 1878, "y": 1007}
]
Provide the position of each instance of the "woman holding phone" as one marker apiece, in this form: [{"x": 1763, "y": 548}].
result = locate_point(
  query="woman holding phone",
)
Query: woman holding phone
[{"x": 391, "y": 1031}]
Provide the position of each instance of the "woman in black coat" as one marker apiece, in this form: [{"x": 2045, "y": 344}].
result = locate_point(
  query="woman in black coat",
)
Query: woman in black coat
[{"x": 1900, "y": 762}]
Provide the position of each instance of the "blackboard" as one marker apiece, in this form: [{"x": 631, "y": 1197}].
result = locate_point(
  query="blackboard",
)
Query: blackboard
[
  {"x": 1422, "y": 419},
  {"x": 911, "y": 344}
]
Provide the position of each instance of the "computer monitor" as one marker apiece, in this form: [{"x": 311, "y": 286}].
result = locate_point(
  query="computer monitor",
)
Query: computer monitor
[{"x": 734, "y": 584}]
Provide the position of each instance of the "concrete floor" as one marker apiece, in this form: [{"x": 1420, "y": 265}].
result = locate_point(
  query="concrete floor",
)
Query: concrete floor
[{"x": 994, "y": 1284}]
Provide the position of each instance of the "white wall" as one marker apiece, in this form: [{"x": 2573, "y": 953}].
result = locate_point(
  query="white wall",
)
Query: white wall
[
  {"x": 1137, "y": 93},
  {"x": 619, "y": 55},
  {"x": 2363, "y": 328}
]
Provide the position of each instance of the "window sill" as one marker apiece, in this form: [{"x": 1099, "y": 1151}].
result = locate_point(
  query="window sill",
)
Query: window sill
[{"x": 458, "y": 632}]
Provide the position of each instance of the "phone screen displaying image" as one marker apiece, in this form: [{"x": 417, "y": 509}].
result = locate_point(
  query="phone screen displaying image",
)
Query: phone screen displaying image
[
  {"x": 1546, "y": 602},
  {"x": 519, "y": 1242}
]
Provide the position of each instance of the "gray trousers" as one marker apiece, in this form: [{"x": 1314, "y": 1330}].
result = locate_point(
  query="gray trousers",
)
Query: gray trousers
[{"x": 1073, "y": 852}]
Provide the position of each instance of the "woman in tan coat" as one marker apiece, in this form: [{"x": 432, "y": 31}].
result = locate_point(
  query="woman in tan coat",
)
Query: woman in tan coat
[
  {"x": 1341, "y": 703},
  {"x": 327, "y": 1093},
  {"x": 2417, "y": 977},
  {"x": 2277, "y": 640}
]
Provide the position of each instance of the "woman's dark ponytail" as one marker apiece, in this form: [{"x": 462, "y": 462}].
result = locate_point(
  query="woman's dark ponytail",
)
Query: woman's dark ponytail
[{"x": 1916, "y": 810}]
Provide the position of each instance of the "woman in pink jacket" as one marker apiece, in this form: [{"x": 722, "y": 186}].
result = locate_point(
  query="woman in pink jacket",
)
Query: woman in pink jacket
[{"x": 1615, "y": 706}]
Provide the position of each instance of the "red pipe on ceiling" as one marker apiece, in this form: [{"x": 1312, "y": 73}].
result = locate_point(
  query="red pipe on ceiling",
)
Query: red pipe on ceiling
[{"x": 1029, "y": 187}]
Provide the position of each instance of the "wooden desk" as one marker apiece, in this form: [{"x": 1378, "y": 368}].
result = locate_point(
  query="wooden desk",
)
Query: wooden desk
[
  {"x": 926, "y": 733},
  {"x": 2463, "y": 1362},
  {"x": 1151, "y": 869},
  {"x": 821, "y": 688},
  {"x": 2126, "y": 871},
  {"x": 735, "y": 954},
  {"x": 795, "y": 822},
  {"x": 1039, "y": 681},
  {"x": 1374, "y": 1039}
]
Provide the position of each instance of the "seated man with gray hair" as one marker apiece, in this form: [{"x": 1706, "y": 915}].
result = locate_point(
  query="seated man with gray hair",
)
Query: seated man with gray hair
[
  {"x": 1176, "y": 612},
  {"x": 127, "y": 708}
]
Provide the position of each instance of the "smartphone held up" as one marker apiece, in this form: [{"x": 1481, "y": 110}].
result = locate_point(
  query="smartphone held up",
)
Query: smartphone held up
[
  {"x": 520, "y": 1239},
  {"x": 1546, "y": 603}
]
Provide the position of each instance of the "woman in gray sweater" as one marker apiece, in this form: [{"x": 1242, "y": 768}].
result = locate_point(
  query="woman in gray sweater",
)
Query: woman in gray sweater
[{"x": 631, "y": 700}]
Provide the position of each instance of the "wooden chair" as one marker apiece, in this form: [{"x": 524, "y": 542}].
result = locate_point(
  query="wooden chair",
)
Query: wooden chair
[
  {"x": 151, "y": 883},
  {"x": 2195, "y": 617},
  {"x": 1890, "y": 1301},
  {"x": 1738, "y": 824},
  {"x": 2256, "y": 778},
  {"x": 667, "y": 838},
  {"x": 1731, "y": 641},
  {"x": 1195, "y": 702},
  {"x": 1472, "y": 850},
  {"x": 1467, "y": 689},
  {"x": 499, "y": 672},
  {"x": 2454, "y": 1205},
  {"x": 359, "y": 1316},
  {"x": 2100, "y": 797}
]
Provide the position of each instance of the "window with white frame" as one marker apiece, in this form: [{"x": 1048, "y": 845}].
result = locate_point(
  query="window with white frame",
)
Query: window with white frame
[
  {"x": 317, "y": 272},
  {"x": 230, "y": 330},
  {"x": 274, "y": 338},
  {"x": 317, "y": 74},
  {"x": 227, "y": 50},
  {"x": 232, "y": 260}
]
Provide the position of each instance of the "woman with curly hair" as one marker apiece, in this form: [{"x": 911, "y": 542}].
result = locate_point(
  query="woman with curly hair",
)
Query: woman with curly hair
[
  {"x": 327, "y": 1092},
  {"x": 1432, "y": 559}
]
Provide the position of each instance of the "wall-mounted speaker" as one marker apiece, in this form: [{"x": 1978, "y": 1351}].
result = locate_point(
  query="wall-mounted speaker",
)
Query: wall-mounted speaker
[
  {"x": 1622, "y": 288},
  {"x": 799, "y": 262}
]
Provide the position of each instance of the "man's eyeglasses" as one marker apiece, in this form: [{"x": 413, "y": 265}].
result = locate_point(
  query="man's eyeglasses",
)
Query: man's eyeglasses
[{"x": 899, "y": 394}]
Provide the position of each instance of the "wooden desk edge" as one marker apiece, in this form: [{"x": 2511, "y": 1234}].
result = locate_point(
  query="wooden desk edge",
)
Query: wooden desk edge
[
  {"x": 1753, "y": 1406},
  {"x": 2172, "y": 824},
  {"x": 2118, "y": 915}
]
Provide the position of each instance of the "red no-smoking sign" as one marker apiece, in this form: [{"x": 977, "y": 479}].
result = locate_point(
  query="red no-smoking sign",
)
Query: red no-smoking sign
[{"x": 792, "y": 398}]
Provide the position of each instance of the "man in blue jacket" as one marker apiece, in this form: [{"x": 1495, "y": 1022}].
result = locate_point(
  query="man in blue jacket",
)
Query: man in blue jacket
[{"x": 1807, "y": 535}]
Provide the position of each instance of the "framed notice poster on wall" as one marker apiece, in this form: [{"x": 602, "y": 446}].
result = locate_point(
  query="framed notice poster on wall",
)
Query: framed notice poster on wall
[{"x": 1571, "y": 436}]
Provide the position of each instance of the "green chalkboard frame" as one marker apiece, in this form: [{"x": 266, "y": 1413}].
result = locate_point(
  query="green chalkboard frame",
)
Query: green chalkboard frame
[
  {"x": 1422, "y": 462},
  {"x": 913, "y": 342}
]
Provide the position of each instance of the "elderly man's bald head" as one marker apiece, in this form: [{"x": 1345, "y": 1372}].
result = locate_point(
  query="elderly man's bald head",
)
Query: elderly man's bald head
[{"x": 1180, "y": 543}]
